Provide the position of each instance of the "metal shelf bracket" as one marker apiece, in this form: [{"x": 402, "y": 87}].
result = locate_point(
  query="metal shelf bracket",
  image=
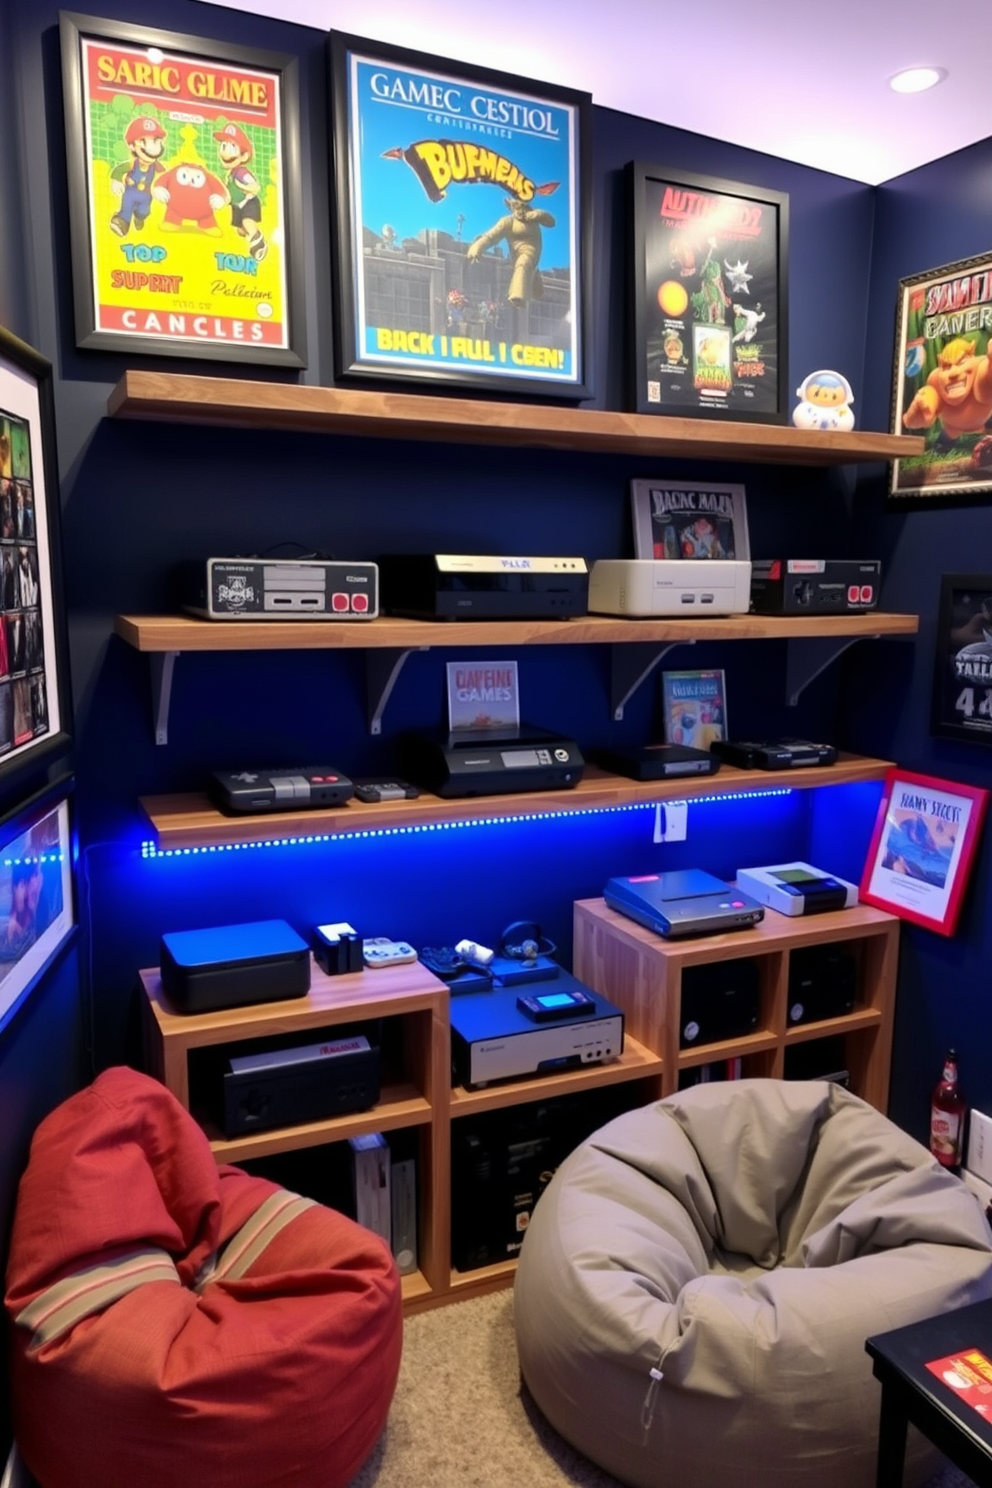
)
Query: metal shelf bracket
[
  {"x": 807, "y": 657},
  {"x": 163, "y": 666},
  {"x": 382, "y": 670},
  {"x": 630, "y": 665}
]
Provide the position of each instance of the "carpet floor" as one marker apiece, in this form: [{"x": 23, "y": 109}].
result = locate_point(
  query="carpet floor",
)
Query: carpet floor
[{"x": 461, "y": 1418}]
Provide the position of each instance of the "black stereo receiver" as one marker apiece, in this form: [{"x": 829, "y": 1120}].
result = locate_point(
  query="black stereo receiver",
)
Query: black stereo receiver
[
  {"x": 464, "y": 586},
  {"x": 491, "y": 762}
]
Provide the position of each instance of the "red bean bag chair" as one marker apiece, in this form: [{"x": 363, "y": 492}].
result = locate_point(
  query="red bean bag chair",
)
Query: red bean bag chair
[{"x": 176, "y": 1324}]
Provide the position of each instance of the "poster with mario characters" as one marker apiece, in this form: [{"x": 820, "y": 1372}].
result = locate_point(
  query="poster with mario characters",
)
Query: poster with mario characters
[
  {"x": 186, "y": 230},
  {"x": 460, "y": 222}
]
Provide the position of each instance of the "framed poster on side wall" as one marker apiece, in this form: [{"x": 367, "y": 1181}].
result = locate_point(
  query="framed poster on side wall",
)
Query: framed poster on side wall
[
  {"x": 35, "y": 712},
  {"x": 709, "y": 296},
  {"x": 462, "y": 243},
  {"x": 962, "y": 678},
  {"x": 942, "y": 385},
  {"x": 922, "y": 848},
  {"x": 37, "y": 913},
  {"x": 184, "y": 194}
]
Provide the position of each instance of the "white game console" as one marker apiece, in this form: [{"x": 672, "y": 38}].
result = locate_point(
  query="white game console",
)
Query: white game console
[
  {"x": 641, "y": 587},
  {"x": 797, "y": 888}
]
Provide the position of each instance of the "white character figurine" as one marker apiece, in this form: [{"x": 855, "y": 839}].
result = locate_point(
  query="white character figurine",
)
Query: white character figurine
[{"x": 824, "y": 402}]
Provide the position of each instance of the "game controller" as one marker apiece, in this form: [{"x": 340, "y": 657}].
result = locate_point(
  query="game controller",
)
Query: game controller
[
  {"x": 381, "y": 951},
  {"x": 443, "y": 961}
]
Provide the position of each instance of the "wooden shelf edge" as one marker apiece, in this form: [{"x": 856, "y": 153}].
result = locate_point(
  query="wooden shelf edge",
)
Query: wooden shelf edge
[
  {"x": 391, "y": 1115},
  {"x": 635, "y": 1063},
  {"x": 189, "y": 820},
  {"x": 156, "y": 634},
  {"x": 238, "y": 403}
]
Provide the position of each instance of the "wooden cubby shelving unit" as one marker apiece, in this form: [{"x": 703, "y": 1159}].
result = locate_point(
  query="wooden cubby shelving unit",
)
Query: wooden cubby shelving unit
[{"x": 629, "y": 965}]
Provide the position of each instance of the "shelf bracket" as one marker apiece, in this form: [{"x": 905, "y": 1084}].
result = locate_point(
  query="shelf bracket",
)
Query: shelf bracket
[
  {"x": 632, "y": 664},
  {"x": 163, "y": 665},
  {"x": 807, "y": 657},
  {"x": 382, "y": 670}
]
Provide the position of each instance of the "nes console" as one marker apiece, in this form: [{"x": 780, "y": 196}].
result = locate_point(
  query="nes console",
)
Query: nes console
[
  {"x": 797, "y": 888},
  {"x": 280, "y": 589},
  {"x": 287, "y": 1087},
  {"x": 641, "y": 587},
  {"x": 683, "y": 902},
  {"x": 492, "y": 1038},
  {"x": 460, "y": 586},
  {"x": 303, "y": 788}
]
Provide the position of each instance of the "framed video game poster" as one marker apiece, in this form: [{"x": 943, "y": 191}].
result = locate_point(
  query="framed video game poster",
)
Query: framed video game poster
[
  {"x": 922, "y": 848},
  {"x": 35, "y": 711},
  {"x": 962, "y": 679},
  {"x": 708, "y": 304},
  {"x": 184, "y": 194},
  {"x": 462, "y": 224},
  {"x": 37, "y": 911},
  {"x": 942, "y": 385}
]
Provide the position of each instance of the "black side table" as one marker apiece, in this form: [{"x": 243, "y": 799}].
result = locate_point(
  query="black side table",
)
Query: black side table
[{"x": 913, "y": 1393}]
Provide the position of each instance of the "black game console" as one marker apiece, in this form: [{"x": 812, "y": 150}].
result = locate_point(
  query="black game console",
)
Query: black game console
[
  {"x": 822, "y": 983},
  {"x": 465, "y": 586},
  {"x": 773, "y": 754},
  {"x": 658, "y": 761},
  {"x": 490, "y": 762},
  {"x": 287, "y": 1087},
  {"x": 230, "y": 966},
  {"x": 299, "y": 789}
]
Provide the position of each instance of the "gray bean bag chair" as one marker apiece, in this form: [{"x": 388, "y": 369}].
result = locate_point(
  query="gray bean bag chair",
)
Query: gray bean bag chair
[{"x": 698, "y": 1280}]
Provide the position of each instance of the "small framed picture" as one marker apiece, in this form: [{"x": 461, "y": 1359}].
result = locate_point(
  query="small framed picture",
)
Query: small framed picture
[
  {"x": 463, "y": 223},
  {"x": 689, "y": 519},
  {"x": 709, "y": 300},
  {"x": 184, "y": 194},
  {"x": 942, "y": 386},
  {"x": 962, "y": 678},
  {"x": 695, "y": 708},
  {"x": 37, "y": 914},
  {"x": 35, "y": 708},
  {"x": 922, "y": 848}
]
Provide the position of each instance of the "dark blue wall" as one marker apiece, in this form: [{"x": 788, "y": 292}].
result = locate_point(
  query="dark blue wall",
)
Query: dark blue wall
[
  {"x": 138, "y": 497},
  {"x": 927, "y": 218}
]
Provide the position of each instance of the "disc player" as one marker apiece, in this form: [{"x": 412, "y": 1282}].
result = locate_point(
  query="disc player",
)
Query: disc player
[{"x": 685, "y": 902}]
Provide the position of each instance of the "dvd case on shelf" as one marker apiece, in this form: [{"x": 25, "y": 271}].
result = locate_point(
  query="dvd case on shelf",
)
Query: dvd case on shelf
[
  {"x": 689, "y": 519},
  {"x": 695, "y": 707}
]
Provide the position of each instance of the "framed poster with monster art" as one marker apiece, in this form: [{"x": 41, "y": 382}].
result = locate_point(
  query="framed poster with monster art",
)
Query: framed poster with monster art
[
  {"x": 184, "y": 194},
  {"x": 942, "y": 385},
  {"x": 462, "y": 224},
  {"x": 708, "y": 303}
]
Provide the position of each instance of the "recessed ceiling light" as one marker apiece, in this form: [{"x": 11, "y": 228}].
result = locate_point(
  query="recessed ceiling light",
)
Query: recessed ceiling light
[{"x": 917, "y": 79}]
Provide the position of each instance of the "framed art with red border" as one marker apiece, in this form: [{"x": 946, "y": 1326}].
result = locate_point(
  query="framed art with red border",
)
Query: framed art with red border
[{"x": 922, "y": 848}]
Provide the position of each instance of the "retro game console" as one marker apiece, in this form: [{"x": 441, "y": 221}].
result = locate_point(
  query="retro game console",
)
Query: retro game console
[
  {"x": 658, "y": 761},
  {"x": 489, "y": 762},
  {"x": 492, "y": 1038},
  {"x": 640, "y": 587},
  {"x": 814, "y": 586},
  {"x": 286, "y": 1087},
  {"x": 230, "y": 966},
  {"x": 466, "y": 586},
  {"x": 688, "y": 901},
  {"x": 797, "y": 888},
  {"x": 280, "y": 589},
  {"x": 773, "y": 754},
  {"x": 246, "y": 791}
]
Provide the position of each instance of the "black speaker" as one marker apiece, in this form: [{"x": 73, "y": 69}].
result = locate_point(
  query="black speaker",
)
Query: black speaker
[
  {"x": 721, "y": 1000},
  {"x": 822, "y": 983}
]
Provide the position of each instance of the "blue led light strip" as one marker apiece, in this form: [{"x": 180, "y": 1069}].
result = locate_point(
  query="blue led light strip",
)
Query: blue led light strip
[{"x": 150, "y": 850}]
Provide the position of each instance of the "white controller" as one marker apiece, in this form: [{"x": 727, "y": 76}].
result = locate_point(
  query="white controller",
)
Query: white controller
[{"x": 381, "y": 951}]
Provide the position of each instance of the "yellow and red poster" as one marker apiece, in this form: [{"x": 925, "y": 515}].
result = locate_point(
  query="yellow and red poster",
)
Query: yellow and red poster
[{"x": 184, "y": 157}]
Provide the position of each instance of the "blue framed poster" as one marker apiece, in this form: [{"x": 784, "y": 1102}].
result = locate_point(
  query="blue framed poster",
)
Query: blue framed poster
[{"x": 462, "y": 223}]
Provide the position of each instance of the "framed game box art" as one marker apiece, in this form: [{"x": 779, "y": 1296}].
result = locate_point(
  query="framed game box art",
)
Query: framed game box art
[
  {"x": 942, "y": 385},
  {"x": 35, "y": 711},
  {"x": 689, "y": 519},
  {"x": 708, "y": 304},
  {"x": 922, "y": 848},
  {"x": 462, "y": 224},
  {"x": 962, "y": 678},
  {"x": 184, "y": 194}
]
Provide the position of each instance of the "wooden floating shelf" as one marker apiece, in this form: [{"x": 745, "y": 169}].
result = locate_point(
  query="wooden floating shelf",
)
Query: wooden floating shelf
[
  {"x": 179, "y": 633},
  {"x": 221, "y": 401},
  {"x": 190, "y": 821}
]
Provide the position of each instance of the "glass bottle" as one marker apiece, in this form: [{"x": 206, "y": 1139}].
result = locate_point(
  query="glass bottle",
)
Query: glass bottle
[{"x": 947, "y": 1113}]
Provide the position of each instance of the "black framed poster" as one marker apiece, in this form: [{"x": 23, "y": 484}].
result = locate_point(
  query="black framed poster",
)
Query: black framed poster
[
  {"x": 962, "y": 680},
  {"x": 709, "y": 296},
  {"x": 462, "y": 241}
]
